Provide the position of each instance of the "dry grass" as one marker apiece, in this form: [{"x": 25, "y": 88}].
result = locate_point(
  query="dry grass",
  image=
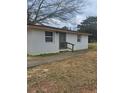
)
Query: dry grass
[{"x": 74, "y": 75}]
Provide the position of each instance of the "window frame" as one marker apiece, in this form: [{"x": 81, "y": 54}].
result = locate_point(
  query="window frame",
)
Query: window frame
[
  {"x": 48, "y": 36},
  {"x": 78, "y": 38}
]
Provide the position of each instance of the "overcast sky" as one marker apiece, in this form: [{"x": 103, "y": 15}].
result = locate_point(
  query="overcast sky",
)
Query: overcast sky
[{"x": 90, "y": 10}]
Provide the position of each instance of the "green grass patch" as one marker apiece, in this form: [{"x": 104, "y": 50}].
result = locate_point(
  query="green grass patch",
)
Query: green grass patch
[{"x": 92, "y": 46}]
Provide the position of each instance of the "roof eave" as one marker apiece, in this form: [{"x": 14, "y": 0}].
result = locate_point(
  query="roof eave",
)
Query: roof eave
[{"x": 54, "y": 30}]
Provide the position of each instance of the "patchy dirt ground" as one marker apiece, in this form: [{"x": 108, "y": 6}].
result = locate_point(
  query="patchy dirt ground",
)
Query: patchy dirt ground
[{"x": 74, "y": 75}]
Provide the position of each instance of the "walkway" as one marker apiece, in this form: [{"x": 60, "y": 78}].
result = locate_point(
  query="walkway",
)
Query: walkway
[{"x": 38, "y": 60}]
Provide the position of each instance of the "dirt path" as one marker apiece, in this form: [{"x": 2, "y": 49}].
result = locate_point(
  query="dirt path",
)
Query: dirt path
[
  {"x": 38, "y": 60},
  {"x": 76, "y": 74}
]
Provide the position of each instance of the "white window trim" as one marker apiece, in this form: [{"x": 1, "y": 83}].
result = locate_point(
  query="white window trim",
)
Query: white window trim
[
  {"x": 49, "y": 36},
  {"x": 79, "y": 37}
]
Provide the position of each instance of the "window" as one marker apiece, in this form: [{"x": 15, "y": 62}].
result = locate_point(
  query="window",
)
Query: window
[
  {"x": 49, "y": 36},
  {"x": 78, "y": 38}
]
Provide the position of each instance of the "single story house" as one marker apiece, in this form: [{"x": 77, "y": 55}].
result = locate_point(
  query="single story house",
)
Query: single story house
[{"x": 43, "y": 39}]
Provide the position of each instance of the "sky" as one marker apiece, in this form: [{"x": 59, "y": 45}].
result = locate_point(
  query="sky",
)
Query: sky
[{"x": 90, "y": 10}]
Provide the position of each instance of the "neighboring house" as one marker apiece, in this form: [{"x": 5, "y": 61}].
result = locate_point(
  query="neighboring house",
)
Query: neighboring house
[{"x": 43, "y": 39}]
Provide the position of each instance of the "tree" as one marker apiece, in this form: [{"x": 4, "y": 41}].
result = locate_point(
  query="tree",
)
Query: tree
[
  {"x": 43, "y": 11},
  {"x": 89, "y": 25},
  {"x": 65, "y": 28}
]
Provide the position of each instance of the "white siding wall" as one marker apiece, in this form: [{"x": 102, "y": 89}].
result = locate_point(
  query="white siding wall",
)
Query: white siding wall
[
  {"x": 72, "y": 38},
  {"x": 36, "y": 43}
]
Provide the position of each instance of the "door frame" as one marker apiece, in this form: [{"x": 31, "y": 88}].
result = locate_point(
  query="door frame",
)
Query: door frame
[{"x": 62, "y": 46}]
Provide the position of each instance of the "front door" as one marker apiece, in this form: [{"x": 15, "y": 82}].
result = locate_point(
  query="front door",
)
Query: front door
[{"x": 62, "y": 40}]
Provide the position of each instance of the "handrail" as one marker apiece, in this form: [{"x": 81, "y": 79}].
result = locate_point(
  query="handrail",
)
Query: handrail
[{"x": 70, "y": 44}]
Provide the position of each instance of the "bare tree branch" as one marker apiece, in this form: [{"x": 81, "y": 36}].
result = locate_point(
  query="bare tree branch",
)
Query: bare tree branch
[{"x": 40, "y": 10}]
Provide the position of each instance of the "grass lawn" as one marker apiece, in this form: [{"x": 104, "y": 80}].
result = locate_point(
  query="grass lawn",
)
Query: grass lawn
[{"x": 73, "y": 75}]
